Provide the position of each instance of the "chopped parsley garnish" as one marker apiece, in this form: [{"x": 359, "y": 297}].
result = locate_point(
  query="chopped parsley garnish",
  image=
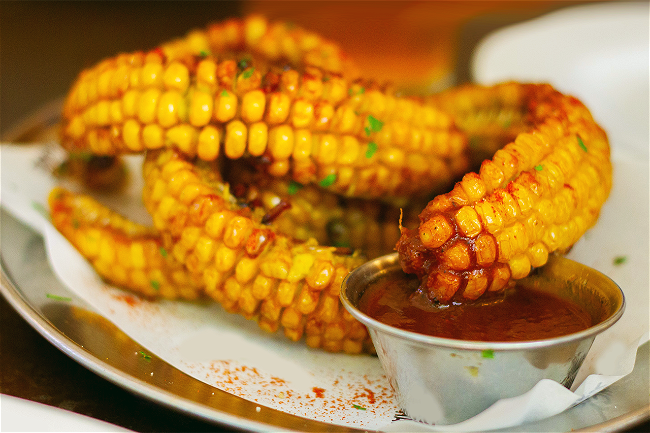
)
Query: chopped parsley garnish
[
  {"x": 361, "y": 91},
  {"x": 204, "y": 53},
  {"x": 224, "y": 93},
  {"x": 619, "y": 260},
  {"x": 328, "y": 180},
  {"x": 372, "y": 148},
  {"x": 374, "y": 125},
  {"x": 248, "y": 73},
  {"x": 144, "y": 355},
  {"x": 243, "y": 63},
  {"x": 539, "y": 167},
  {"x": 581, "y": 143},
  {"x": 356, "y": 406},
  {"x": 163, "y": 252},
  {"x": 58, "y": 298},
  {"x": 294, "y": 187},
  {"x": 488, "y": 353},
  {"x": 155, "y": 284}
]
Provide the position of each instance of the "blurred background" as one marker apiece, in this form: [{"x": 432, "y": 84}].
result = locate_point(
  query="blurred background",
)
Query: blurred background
[{"x": 421, "y": 46}]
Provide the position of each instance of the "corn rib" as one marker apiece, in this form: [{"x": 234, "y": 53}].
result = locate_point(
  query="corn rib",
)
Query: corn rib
[{"x": 538, "y": 195}]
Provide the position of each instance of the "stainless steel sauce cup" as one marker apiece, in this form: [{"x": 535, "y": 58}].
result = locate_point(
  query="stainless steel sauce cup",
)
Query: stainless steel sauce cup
[{"x": 446, "y": 381}]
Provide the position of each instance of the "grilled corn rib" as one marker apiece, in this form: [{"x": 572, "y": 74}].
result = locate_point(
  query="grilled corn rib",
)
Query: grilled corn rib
[
  {"x": 122, "y": 252},
  {"x": 319, "y": 127},
  {"x": 245, "y": 265},
  {"x": 538, "y": 195}
]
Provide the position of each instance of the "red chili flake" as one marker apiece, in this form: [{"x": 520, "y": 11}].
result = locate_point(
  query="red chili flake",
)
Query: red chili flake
[{"x": 320, "y": 392}]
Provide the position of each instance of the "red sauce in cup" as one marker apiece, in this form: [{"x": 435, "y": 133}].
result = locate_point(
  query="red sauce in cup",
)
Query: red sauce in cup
[{"x": 518, "y": 314}]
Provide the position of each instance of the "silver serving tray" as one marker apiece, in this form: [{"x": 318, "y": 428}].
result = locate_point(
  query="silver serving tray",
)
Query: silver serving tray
[{"x": 97, "y": 344}]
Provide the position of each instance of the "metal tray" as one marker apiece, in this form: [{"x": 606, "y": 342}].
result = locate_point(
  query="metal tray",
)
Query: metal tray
[{"x": 95, "y": 343}]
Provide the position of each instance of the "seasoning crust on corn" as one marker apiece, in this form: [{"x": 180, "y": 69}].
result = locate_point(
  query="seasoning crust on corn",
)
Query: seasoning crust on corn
[{"x": 272, "y": 169}]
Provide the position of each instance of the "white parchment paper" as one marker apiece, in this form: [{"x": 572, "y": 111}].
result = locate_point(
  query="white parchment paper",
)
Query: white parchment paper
[{"x": 233, "y": 354}]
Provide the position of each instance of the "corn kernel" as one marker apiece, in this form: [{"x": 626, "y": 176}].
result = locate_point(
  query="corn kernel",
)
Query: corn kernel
[
  {"x": 200, "y": 108},
  {"x": 224, "y": 258},
  {"x": 252, "y": 106},
  {"x": 131, "y": 135},
  {"x": 281, "y": 141},
  {"x": 225, "y": 106},
  {"x": 278, "y": 108},
  {"x": 435, "y": 231},
  {"x": 148, "y": 104},
  {"x": 457, "y": 256},
  {"x": 209, "y": 143},
  {"x": 257, "y": 138},
  {"x": 152, "y": 136},
  {"x": 285, "y": 293},
  {"x": 235, "y": 141},
  {"x": 476, "y": 286}
]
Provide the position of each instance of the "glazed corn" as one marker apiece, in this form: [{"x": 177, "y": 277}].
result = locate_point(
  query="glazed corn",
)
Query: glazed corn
[
  {"x": 538, "y": 195},
  {"x": 351, "y": 137},
  {"x": 245, "y": 265},
  {"x": 122, "y": 252}
]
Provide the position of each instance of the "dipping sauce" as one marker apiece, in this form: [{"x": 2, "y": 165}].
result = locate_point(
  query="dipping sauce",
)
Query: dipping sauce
[{"x": 518, "y": 314}]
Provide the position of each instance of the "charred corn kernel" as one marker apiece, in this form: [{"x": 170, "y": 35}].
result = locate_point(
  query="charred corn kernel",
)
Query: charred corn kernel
[
  {"x": 281, "y": 142},
  {"x": 257, "y": 138},
  {"x": 176, "y": 77},
  {"x": 491, "y": 218},
  {"x": 435, "y": 231},
  {"x": 235, "y": 141},
  {"x": 131, "y": 135},
  {"x": 201, "y": 106},
  {"x": 443, "y": 286},
  {"x": 225, "y": 106},
  {"x": 457, "y": 257},
  {"x": 209, "y": 143},
  {"x": 252, "y": 106}
]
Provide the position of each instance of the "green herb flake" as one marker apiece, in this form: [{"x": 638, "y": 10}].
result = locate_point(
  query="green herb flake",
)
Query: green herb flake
[
  {"x": 619, "y": 260},
  {"x": 204, "y": 53},
  {"x": 144, "y": 355},
  {"x": 488, "y": 353},
  {"x": 328, "y": 180},
  {"x": 473, "y": 371},
  {"x": 356, "y": 406},
  {"x": 248, "y": 73},
  {"x": 582, "y": 144},
  {"x": 224, "y": 93},
  {"x": 155, "y": 284},
  {"x": 58, "y": 298},
  {"x": 374, "y": 125},
  {"x": 361, "y": 91},
  {"x": 539, "y": 167},
  {"x": 163, "y": 252},
  {"x": 244, "y": 63},
  {"x": 371, "y": 150},
  {"x": 294, "y": 187}
]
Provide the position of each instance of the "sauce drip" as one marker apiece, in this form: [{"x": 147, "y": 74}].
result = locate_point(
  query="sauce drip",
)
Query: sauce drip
[{"x": 518, "y": 314}]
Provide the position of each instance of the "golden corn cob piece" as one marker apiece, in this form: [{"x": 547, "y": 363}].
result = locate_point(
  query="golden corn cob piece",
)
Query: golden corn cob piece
[
  {"x": 122, "y": 252},
  {"x": 245, "y": 265},
  {"x": 538, "y": 195},
  {"x": 350, "y": 137}
]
